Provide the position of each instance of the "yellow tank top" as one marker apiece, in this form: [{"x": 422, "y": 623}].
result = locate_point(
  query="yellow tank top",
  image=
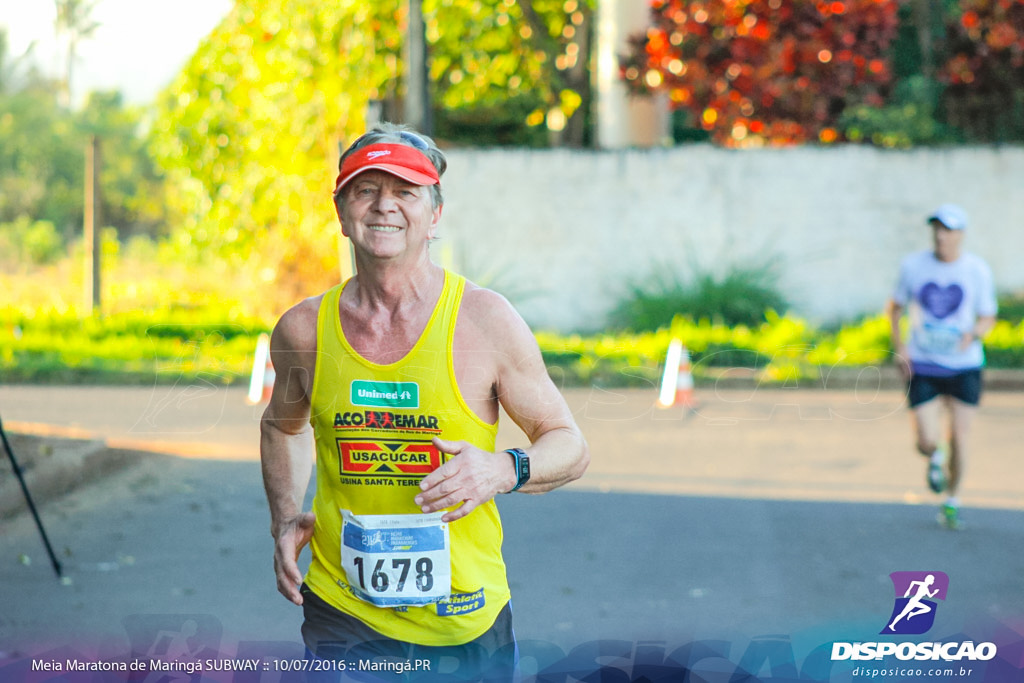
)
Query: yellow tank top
[{"x": 373, "y": 426}]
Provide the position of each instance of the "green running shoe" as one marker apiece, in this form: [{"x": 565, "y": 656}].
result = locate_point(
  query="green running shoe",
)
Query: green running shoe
[
  {"x": 949, "y": 517},
  {"x": 936, "y": 477}
]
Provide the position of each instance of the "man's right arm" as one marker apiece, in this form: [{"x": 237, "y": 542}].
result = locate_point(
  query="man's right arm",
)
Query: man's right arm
[
  {"x": 899, "y": 348},
  {"x": 286, "y": 443},
  {"x": 897, "y": 307}
]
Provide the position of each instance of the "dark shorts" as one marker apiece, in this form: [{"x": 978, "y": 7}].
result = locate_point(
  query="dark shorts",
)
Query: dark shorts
[
  {"x": 334, "y": 636},
  {"x": 964, "y": 386}
]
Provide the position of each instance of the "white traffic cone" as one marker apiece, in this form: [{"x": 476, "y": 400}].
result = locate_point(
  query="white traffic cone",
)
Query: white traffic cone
[
  {"x": 261, "y": 383},
  {"x": 677, "y": 380}
]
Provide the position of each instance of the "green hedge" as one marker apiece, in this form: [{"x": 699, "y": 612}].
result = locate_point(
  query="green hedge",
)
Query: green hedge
[
  {"x": 780, "y": 350},
  {"x": 137, "y": 347},
  {"x": 186, "y": 345}
]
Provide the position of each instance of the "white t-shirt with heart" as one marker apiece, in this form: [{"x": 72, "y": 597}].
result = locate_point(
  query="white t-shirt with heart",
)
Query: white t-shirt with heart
[{"x": 943, "y": 301}]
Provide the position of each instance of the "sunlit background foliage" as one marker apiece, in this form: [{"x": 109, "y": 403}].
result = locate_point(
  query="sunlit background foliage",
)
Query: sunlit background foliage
[
  {"x": 215, "y": 198},
  {"x": 250, "y": 131},
  {"x": 891, "y": 72}
]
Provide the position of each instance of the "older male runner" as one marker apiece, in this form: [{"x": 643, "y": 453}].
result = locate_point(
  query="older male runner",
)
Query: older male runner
[
  {"x": 395, "y": 378},
  {"x": 952, "y": 303}
]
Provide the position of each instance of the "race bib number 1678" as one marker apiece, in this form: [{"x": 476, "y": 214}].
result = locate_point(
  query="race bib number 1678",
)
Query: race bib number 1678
[{"x": 396, "y": 560}]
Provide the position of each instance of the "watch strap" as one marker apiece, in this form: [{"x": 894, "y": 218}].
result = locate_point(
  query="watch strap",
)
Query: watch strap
[{"x": 521, "y": 462}]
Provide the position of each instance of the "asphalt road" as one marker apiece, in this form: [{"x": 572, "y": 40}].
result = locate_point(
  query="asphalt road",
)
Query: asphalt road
[{"x": 762, "y": 519}]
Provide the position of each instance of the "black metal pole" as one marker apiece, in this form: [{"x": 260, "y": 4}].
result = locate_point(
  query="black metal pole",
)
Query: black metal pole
[{"x": 31, "y": 505}]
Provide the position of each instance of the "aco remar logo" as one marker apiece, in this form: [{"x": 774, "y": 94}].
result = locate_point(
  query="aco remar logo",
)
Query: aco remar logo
[{"x": 916, "y": 594}]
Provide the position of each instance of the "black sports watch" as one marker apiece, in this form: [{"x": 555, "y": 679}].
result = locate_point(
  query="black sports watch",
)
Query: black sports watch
[{"x": 521, "y": 461}]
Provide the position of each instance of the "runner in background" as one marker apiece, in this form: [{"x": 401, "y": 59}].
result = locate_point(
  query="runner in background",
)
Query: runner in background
[{"x": 950, "y": 299}]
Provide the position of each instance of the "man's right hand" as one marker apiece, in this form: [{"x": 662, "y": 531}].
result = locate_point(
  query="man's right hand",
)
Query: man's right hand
[{"x": 289, "y": 540}]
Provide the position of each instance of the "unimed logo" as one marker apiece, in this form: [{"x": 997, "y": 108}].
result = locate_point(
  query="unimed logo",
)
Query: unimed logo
[
  {"x": 916, "y": 593},
  {"x": 375, "y": 394}
]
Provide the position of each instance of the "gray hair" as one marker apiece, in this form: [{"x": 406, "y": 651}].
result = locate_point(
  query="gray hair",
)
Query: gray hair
[{"x": 400, "y": 134}]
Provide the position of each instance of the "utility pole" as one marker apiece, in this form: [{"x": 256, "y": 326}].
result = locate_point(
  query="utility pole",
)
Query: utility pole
[
  {"x": 417, "y": 93},
  {"x": 92, "y": 225},
  {"x": 623, "y": 121}
]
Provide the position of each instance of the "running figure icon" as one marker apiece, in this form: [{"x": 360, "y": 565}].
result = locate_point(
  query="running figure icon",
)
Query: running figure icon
[{"x": 915, "y": 606}]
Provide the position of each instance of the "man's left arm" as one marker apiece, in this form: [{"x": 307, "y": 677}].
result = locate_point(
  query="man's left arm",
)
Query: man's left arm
[
  {"x": 557, "y": 450},
  {"x": 982, "y": 326}
]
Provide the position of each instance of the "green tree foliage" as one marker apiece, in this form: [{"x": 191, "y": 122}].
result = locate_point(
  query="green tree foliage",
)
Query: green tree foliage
[
  {"x": 132, "y": 185},
  {"x": 960, "y": 77},
  {"x": 42, "y": 158},
  {"x": 984, "y": 70},
  {"x": 909, "y": 118},
  {"x": 889, "y": 72},
  {"x": 25, "y": 242},
  {"x": 497, "y": 65},
  {"x": 250, "y": 131}
]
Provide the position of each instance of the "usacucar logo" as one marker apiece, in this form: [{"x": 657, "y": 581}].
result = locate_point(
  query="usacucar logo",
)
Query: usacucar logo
[
  {"x": 398, "y": 458},
  {"x": 916, "y": 593}
]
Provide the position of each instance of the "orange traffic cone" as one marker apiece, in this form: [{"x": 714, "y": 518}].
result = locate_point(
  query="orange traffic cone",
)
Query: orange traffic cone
[
  {"x": 684, "y": 381},
  {"x": 677, "y": 380},
  {"x": 261, "y": 383}
]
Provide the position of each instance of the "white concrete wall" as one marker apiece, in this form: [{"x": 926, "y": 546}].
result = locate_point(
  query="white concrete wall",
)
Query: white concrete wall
[{"x": 563, "y": 232}]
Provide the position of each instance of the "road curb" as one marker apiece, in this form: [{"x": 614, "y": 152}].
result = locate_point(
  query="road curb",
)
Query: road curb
[
  {"x": 845, "y": 379},
  {"x": 53, "y": 466}
]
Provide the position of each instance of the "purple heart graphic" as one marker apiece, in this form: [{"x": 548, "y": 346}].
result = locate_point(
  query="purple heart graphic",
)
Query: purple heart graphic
[{"x": 941, "y": 301}]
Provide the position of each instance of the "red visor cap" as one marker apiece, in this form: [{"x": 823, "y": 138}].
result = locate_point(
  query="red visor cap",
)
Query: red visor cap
[{"x": 403, "y": 161}]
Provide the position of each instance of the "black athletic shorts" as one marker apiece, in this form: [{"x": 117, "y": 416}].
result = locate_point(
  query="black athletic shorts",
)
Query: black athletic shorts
[
  {"x": 341, "y": 640},
  {"x": 964, "y": 386}
]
